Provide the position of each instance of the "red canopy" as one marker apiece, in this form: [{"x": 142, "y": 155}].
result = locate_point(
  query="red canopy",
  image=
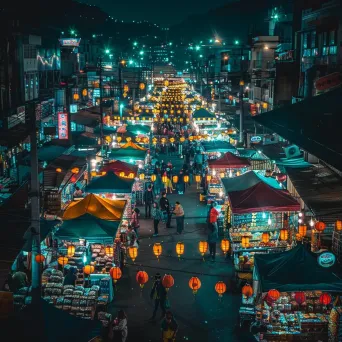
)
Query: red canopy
[
  {"x": 229, "y": 161},
  {"x": 119, "y": 166},
  {"x": 262, "y": 197}
]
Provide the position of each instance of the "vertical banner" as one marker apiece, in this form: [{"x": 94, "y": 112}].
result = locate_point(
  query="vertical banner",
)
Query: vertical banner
[{"x": 63, "y": 127}]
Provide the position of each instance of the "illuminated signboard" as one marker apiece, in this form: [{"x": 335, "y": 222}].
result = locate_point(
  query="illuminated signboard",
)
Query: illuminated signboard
[
  {"x": 63, "y": 128},
  {"x": 326, "y": 259},
  {"x": 70, "y": 42},
  {"x": 256, "y": 139}
]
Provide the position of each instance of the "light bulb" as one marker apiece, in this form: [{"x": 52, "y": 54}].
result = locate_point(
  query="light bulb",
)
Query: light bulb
[
  {"x": 311, "y": 223},
  {"x": 214, "y": 173},
  {"x": 221, "y": 193},
  {"x": 269, "y": 221},
  {"x": 230, "y": 174},
  {"x": 84, "y": 259},
  {"x": 300, "y": 214},
  {"x": 140, "y": 166},
  {"x": 263, "y": 215},
  {"x": 300, "y": 220}
]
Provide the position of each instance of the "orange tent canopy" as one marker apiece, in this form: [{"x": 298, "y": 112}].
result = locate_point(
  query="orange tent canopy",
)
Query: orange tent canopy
[
  {"x": 101, "y": 208},
  {"x": 133, "y": 145}
]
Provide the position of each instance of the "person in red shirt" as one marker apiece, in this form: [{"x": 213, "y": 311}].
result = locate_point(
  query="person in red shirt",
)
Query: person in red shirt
[
  {"x": 213, "y": 213},
  {"x": 213, "y": 230}
]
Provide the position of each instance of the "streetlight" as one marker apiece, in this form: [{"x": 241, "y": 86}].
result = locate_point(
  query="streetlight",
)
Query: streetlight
[
  {"x": 236, "y": 42},
  {"x": 130, "y": 62},
  {"x": 135, "y": 43},
  {"x": 72, "y": 31},
  {"x": 107, "y": 51},
  {"x": 197, "y": 47},
  {"x": 141, "y": 52}
]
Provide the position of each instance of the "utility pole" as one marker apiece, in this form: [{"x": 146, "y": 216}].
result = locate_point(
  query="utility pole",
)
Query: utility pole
[
  {"x": 242, "y": 83},
  {"x": 101, "y": 107},
  {"x": 35, "y": 205}
]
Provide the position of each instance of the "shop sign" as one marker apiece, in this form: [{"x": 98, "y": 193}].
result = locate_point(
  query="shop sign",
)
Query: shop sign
[
  {"x": 256, "y": 139},
  {"x": 73, "y": 108},
  {"x": 72, "y": 42},
  {"x": 326, "y": 259},
  {"x": 63, "y": 127},
  {"x": 329, "y": 81}
]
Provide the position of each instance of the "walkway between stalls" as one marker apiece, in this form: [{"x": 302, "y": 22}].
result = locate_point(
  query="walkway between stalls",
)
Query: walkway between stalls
[{"x": 200, "y": 318}]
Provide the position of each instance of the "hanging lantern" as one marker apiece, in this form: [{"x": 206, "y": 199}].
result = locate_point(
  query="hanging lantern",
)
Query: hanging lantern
[
  {"x": 172, "y": 140},
  {"x": 84, "y": 92},
  {"x": 302, "y": 230},
  {"x": 131, "y": 175},
  {"x": 122, "y": 174},
  {"x": 181, "y": 139},
  {"x": 265, "y": 237},
  {"x": 325, "y": 299},
  {"x": 163, "y": 140},
  {"x": 126, "y": 88},
  {"x": 281, "y": 178},
  {"x": 164, "y": 179},
  {"x": 298, "y": 237},
  {"x": 191, "y": 138},
  {"x": 109, "y": 251},
  {"x": 225, "y": 245},
  {"x": 137, "y": 139},
  {"x": 142, "y": 86},
  {"x": 133, "y": 252},
  {"x": 300, "y": 297},
  {"x": 203, "y": 247},
  {"x": 247, "y": 290},
  {"x": 338, "y": 225},
  {"x": 194, "y": 284},
  {"x": 166, "y": 83},
  {"x": 168, "y": 281},
  {"x": 118, "y": 139},
  {"x": 245, "y": 241},
  {"x": 220, "y": 288},
  {"x": 71, "y": 250},
  {"x": 76, "y": 97},
  {"x": 128, "y": 139},
  {"x": 157, "y": 249},
  {"x": 175, "y": 179},
  {"x": 88, "y": 269},
  {"x": 141, "y": 278},
  {"x": 59, "y": 170},
  {"x": 273, "y": 295},
  {"x": 284, "y": 234},
  {"x": 186, "y": 179},
  {"x": 40, "y": 258},
  {"x": 115, "y": 273},
  {"x": 320, "y": 226},
  {"x": 208, "y": 178},
  {"x": 153, "y": 178},
  {"x": 180, "y": 249},
  {"x": 62, "y": 260},
  {"x": 222, "y": 174},
  {"x": 142, "y": 176},
  {"x": 197, "y": 178}
]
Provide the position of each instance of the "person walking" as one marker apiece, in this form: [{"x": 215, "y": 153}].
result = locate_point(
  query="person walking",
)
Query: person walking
[
  {"x": 119, "y": 327},
  {"x": 179, "y": 212},
  {"x": 213, "y": 235},
  {"x": 159, "y": 294},
  {"x": 148, "y": 199},
  {"x": 169, "y": 328},
  {"x": 157, "y": 216},
  {"x": 165, "y": 207},
  {"x": 135, "y": 223},
  {"x": 181, "y": 184},
  {"x": 158, "y": 185}
]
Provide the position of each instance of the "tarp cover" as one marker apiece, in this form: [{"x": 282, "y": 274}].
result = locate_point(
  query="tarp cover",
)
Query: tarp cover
[
  {"x": 110, "y": 183},
  {"x": 248, "y": 180},
  {"x": 217, "y": 146},
  {"x": 134, "y": 146},
  {"x": 262, "y": 197},
  {"x": 96, "y": 206},
  {"x": 229, "y": 161},
  {"x": 294, "y": 270},
  {"x": 118, "y": 166},
  {"x": 203, "y": 114},
  {"x": 127, "y": 154}
]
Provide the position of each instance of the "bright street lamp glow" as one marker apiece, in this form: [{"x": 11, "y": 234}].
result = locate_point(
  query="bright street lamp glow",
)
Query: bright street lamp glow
[
  {"x": 197, "y": 47},
  {"x": 141, "y": 52},
  {"x": 130, "y": 61},
  {"x": 135, "y": 43},
  {"x": 236, "y": 42},
  {"x": 107, "y": 51}
]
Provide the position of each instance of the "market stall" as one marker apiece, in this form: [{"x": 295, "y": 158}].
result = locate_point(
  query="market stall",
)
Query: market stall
[
  {"x": 215, "y": 148},
  {"x": 297, "y": 298},
  {"x": 128, "y": 154}
]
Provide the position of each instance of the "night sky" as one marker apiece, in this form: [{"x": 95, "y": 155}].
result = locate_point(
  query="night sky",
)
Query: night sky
[{"x": 162, "y": 12}]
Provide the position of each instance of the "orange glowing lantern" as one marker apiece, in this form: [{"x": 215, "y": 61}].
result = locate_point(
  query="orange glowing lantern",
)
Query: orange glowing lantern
[
  {"x": 338, "y": 225},
  {"x": 300, "y": 297},
  {"x": 62, "y": 260},
  {"x": 40, "y": 258},
  {"x": 84, "y": 92},
  {"x": 153, "y": 178},
  {"x": 245, "y": 241},
  {"x": 194, "y": 284},
  {"x": 59, "y": 170},
  {"x": 175, "y": 179},
  {"x": 88, "y": 269},
  {"x": 133, "y": 252},
  {"x": 164, "y": 179},
  {"x": 76, "y": 97},
  {"x": 75, "y": 170},
  {"x": 208, "y": 178},
  {"x": 122, "y": 174},
  {"x": 197, "y": 178},
  {"x": 320, "y": 226},
  {"x": 302, "y": 230},
  {"x": 225, "y": 246},
  {"x": 142, "y": 86},
  {"x": 265, "y": 237},
  {"x": 180, "y": 249},
  {"x": 220, "y": 288},
  {"x": 168, "y": 281},
  {"x": 109, "y": 251},
  {"x": 115, "y": 273},
  {"x": 157, "y": 249},
  {"x": 141, "y": 278},
  {"x": 247, "y": 291},
  {"x": 186, "y": 179},
  {"x": 131, "y": 175},
  {"x": 142, "y": 176},
  {"x": 222, "y": 174},
  {"x": 203, "y": 247},
  {"x": 325, "y": 299},
  {"x": 126, "y": 88},
  {"x": 284, "y": 234},
  {"x": 166, "y": 83},
  {"x": 71, "y": 250},
  {"x": 181, "y": 139},
  {"x": 273, "y": 295},
  {"x": 298, "y": 237}
]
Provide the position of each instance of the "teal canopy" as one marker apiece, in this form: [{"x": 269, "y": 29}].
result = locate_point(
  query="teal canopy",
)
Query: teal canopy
[
  {"x": 138, "y": 129},
  {"x": 126, "y": 154},
  {"x": 218, "y": 146},
  {"x": 111, "y": 183},
  {"x": 247, "y": 180},
  {"x": 88, "y": 227},
  {"x": 203, "y": 114},
  {"x": 46, "y": 153},
  {"x": 294, "y": 270}
]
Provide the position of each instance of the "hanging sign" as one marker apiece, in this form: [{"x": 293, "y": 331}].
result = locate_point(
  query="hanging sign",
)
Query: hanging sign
[
  {"x": 63, "y": 128},
  {"x": 71, "y": 42},
  {"x": 256, "y": 139},
  {"x": 326, "y": 259},
  {"x": 328, "y": 81}
]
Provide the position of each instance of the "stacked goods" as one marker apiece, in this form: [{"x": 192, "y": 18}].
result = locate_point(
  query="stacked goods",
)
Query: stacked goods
[
  {"x": 22, "y": 298},
  {"x": 98, "y": 254},
  {"x": 103, "y": 286},
  {"x": 335, "y": 326},
  {"x": 246, "y": 263}
]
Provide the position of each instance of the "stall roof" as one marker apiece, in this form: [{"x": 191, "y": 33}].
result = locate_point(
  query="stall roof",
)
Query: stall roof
[
  {"x": 110, "y": 183},
  {"x": 294, "y": 270},
  {"x": 262, "y": 197},
  {"x": 247, "y": 180},
  {"x": 134, "y": 146},
  {"x": 251, "y": 154},
  {"x": 217, "y": 146},
  {"x": 86, "y": 118},
  {"x": 203, "y": 114},
  {"x": 84, "y": 139},
  {"x": 138, "y": 129},
  {"x": 229, "y": 161},
  {"x": 126, "y": 154},
  {"x": 118, "y": 166},
  {"x": 47, "y": 153},
  {"x": 96, "y": 206}
]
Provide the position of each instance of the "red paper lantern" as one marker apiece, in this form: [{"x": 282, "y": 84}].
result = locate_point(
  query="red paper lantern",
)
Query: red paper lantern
[
  {"x": 141, "y": 278},
  {"x": 247, "y": 290},
  {"x": 273, "y": 295},
  {"x": 220, "y": 288},
  {"x": 168, "y": 281},
  {"x": 281, "y": 178},
  {"x": 325, "y": 299},
  {"x": 300, "y": 297},
  {"x": 40, "y": 258},
  {"x": 320, "y": 226},
  {"x": 115, "y": 273}
]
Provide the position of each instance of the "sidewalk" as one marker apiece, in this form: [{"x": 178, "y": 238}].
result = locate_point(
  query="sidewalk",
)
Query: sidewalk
[{"x": 200, "y": 318}]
